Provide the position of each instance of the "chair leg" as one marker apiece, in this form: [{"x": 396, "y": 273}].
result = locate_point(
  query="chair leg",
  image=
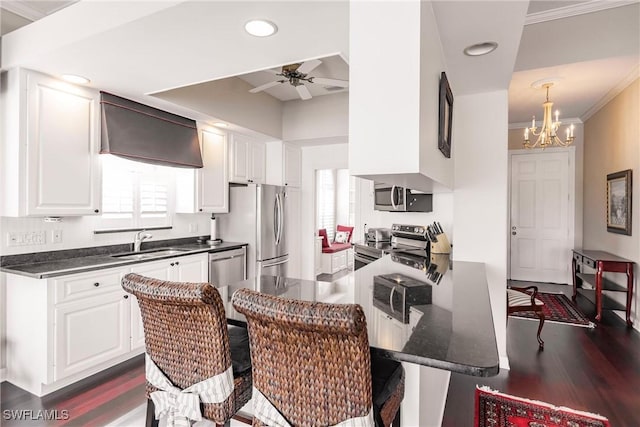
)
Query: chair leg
[
  {"x": 151, "y": 416},
  {"x": 540, "y": 342},
  {"x": 396, "y": 419}
]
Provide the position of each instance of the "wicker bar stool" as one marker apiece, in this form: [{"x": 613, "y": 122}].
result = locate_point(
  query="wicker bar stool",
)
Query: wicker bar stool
[
  {"x": 187, "y": 338},
  {"x": 312, "y": 365}
]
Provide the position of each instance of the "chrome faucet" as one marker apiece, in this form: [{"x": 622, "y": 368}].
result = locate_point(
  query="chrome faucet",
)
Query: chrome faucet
[{"x": 139, "y": 238}]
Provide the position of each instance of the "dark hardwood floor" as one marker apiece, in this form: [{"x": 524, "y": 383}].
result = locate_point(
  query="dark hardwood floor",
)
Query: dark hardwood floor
[{"x": 595, "y": 370}]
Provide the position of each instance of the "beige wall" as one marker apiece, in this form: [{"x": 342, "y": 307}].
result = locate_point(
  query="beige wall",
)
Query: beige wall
[{"x": 612, "y": 144}]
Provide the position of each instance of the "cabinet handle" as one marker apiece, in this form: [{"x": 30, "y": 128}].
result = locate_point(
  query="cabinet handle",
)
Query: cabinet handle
[
  {"x": 96, "y": 210},
  {"x": 200, "y": 209},
  {"x": 177, "y": 262},
  {"x": 96, "y": 284},
  {"x": 126, "y": 296},
  {"x": 172, "y": 264}
]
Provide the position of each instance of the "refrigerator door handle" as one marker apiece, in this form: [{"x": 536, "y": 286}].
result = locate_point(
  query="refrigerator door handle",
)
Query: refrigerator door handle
[
  {"x": 284, "y": 261},
  {"x": 276, "y": 221},
  {"x": 280, "y": 217}
]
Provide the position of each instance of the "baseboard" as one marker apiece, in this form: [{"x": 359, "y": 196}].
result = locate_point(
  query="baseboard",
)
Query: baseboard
[{"x": 504, "y": 362}]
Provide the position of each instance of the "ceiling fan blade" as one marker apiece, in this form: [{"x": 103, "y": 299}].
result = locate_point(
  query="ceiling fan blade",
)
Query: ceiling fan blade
[
  {"x": 331, "y": 82},
  {"x": 266, "y": 86},
  {"x": 303, "y": 92},
  {"x": 308, "y": 66}
]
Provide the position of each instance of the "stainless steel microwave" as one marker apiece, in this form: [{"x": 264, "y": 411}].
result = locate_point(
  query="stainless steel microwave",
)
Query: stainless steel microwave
[{"x": 400, "y": 199}]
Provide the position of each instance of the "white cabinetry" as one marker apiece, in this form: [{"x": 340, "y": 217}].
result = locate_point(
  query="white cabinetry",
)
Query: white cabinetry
[
  {"x": 317, "y": 256},
  {"x": 334, "y": 262},
  {"x": 284, "y": 162},
  {"x": 246, "y": 160},
  {"x": 292, "y": 166},
  {"x": 66, "y": 328},
  {"x": 206, "y": 189},
  {"x": 51, "y": 134}
]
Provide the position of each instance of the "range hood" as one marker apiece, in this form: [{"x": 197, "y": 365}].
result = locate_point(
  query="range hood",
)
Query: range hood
[{"x": 142, "y": 133}]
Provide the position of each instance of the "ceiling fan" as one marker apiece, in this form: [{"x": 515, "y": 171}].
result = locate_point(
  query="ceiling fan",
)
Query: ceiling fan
[{"x": 298, "y": 75}]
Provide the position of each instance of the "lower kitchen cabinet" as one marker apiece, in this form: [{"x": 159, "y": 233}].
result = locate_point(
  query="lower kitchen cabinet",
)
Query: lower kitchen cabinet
[
  {"x": 89, "y": 332},
  {"x": 66, "y": 328}
]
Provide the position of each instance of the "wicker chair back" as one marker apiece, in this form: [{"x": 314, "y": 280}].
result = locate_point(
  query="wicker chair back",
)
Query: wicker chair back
[{"x": 311, "y": 360}]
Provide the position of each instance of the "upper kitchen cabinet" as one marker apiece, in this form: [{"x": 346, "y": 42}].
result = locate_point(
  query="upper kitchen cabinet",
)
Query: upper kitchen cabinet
[
  {"x": 51, "y": 139},
  {"x": 246, "y": 160},
  {"x": 285, "y": 161},
  {"x": 206, "y": 189}
]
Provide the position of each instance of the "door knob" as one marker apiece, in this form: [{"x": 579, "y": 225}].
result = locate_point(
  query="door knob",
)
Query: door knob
[{"x": 514, "y": 233}]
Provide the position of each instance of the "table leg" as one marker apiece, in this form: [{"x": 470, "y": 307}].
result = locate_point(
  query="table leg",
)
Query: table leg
[
  {"x": 629, "y": 292},
  {"x": 599, "y": 292}
]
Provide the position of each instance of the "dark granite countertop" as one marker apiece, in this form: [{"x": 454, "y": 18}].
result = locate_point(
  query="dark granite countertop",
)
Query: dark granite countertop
[
  {"x": 453, "y": 332},
  {"x": 58, "y": 263}
]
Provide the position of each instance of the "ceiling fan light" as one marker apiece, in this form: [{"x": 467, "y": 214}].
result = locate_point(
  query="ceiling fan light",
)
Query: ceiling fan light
[
  {"x": 479, "y": 49},
  {"x": 72, "y": 78},
  {"x": 260, "y": 28}
]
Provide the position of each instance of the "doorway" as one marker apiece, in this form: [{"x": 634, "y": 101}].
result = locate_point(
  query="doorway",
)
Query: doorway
[{"x": 542, "y": 216}]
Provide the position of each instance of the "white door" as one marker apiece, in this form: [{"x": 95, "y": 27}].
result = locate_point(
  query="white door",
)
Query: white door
[
  {"x": 213, "y": 185},
  {"x": 539, "y": 230}
]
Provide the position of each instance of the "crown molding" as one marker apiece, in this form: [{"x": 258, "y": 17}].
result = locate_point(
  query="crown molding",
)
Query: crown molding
[
  {"x": 564, "y": 121},
  {"x": 575, "y": 10},
  {"x": 23, "y": 10},
  {"x": 617, "y": 89}
]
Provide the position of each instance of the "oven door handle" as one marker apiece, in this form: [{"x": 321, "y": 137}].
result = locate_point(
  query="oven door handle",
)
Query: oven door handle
[
  {"x": 364, "y": 259},
  {"x": 391, "y": 299}
]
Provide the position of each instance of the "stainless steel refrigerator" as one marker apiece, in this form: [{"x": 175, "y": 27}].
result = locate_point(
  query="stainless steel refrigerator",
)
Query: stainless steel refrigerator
[{"x": 257, "y": 216}]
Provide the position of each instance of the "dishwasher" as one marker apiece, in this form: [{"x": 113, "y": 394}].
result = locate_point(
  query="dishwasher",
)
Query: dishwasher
[{"x": 227, "y": 267}]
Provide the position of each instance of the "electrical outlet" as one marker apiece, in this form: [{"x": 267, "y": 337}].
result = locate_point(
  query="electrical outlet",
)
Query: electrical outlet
[
  {"x": 26, "y": 238},
  {"x": 56, "y": 236}
]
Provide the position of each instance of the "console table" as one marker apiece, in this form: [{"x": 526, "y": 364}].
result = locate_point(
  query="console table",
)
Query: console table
[{"x": 602, "y": 261}]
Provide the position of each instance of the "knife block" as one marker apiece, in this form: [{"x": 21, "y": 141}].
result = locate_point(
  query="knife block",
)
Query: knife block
[{"x": 442, "y": 246}]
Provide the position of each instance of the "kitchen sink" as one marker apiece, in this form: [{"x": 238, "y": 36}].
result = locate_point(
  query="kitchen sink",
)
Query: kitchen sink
[{"x": 152, "y": 253}]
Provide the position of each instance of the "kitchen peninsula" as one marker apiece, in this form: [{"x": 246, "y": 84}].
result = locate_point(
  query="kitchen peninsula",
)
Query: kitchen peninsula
[{"x": 448, "y": 328}]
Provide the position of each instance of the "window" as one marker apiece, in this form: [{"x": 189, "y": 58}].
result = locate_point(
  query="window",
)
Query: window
[
  {"x": 334, "y": 199},
  {"x": 135, "y": 194}
]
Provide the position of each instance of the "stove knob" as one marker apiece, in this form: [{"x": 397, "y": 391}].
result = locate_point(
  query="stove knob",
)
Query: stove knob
[
  {"x": 415, "y": 230},
  {"x": 395, "y": 227},
  {"x": 421, "y": 230}
]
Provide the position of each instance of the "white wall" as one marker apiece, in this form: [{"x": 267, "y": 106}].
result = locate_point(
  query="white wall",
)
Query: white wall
[
  {"x": 480, "y": 197},
  {"x": 320, "y": 117},
  {"x": 332, "y": 156}
]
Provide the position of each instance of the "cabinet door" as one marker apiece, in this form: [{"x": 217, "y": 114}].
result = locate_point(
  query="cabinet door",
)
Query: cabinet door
[
  {"x": 292, "y": 166},
  {"x": 239, "y": 159},
  {"x": 212, "y": 180},
  {"x": 137, "y": 328},
  {"x": 257, "y": 171},
  {"x": 90, "y": 331},
  {"x": 191, "y": 268},
  {"x": 62, "y": 148},
  {"x": 156, "y": 269}
]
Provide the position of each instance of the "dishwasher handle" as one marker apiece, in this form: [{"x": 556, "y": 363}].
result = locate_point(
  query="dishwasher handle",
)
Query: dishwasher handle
[{"x": 217, "y": 256}]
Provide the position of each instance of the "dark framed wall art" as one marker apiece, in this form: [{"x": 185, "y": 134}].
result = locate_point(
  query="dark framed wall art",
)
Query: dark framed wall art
[
  {"x": 619, "y": 193},
  {"x": 445, "y": 116}
]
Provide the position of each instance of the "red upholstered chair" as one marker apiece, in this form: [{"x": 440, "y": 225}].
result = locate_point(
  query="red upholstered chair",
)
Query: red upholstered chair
[{"x": 524, "y": 299}]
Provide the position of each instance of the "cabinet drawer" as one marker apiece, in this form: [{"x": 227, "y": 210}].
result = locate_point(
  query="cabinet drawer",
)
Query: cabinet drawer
[
  {"x": 577, "y": 257},
  {"x": 589, "y": 262},
  {"x": 71, "y": 288}
]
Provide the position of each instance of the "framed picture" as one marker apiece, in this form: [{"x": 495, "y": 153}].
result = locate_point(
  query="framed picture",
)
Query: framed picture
[
  {"x": 619, "y": 193},
  {"x": 445, "y": 116}
]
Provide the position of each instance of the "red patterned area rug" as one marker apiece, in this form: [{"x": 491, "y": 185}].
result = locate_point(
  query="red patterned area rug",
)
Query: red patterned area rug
[
  {"x": 558, "y": 308},
  {"x": 495, "y": 409}
]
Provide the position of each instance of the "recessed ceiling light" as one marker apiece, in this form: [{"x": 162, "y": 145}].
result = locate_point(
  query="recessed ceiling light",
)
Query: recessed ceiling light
[
  {"x": 221, "y": 125},
  {"x": 260, "y": 28},
  {"x": 72, "y": 78},
  {"x": 480, "y": 48}
]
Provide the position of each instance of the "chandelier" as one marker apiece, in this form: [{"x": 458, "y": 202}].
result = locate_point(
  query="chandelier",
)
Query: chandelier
[{"x": 548, "y": 134}]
